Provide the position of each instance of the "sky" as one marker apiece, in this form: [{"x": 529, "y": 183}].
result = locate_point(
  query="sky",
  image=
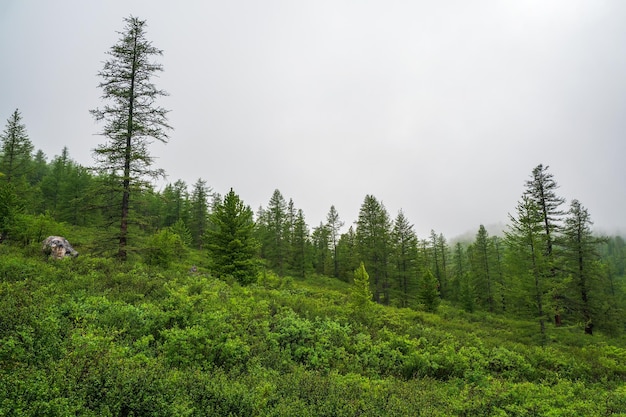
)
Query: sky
[{"x": 440, "y": 109}]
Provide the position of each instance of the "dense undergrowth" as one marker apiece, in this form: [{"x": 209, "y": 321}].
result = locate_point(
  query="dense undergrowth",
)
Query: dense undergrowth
[{"x": 90, "y": 337}]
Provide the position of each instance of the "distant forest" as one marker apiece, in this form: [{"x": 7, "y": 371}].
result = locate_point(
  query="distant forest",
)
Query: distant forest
[{"x": 549, "y": 266}]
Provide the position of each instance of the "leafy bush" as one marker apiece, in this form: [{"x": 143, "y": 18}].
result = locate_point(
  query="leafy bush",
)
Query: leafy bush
[{"x": 163, "y": 248}]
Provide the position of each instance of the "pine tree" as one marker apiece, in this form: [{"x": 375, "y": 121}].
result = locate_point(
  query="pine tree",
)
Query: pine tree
[
  {"x": 132, "y": 119},
  {"x": 16, "y": 150},
  {"x": 231, "y": 243}
]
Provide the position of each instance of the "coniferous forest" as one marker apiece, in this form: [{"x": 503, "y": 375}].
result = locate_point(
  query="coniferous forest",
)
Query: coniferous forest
[{"x": 185, "y": 302}]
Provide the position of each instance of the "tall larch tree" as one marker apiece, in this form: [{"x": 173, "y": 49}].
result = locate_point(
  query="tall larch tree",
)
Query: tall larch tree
[
  {"x": 541, "y": 189},
  {"x": 132, "y": 119}
]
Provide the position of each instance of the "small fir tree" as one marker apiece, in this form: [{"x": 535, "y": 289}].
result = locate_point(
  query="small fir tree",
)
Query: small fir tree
[{"x": 231, "y": 245}]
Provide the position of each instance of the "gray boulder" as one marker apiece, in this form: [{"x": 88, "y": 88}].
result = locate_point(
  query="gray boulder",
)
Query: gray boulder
[{"x": 57, "y": 247}]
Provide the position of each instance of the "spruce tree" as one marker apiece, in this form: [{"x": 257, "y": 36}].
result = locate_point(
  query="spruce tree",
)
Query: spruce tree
[
  {"x": 230, "y": 240},
  {"x": 132, "y": 120}
]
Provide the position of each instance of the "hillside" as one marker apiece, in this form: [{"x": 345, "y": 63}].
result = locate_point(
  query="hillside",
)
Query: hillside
[{"x": 92, "y": 337}]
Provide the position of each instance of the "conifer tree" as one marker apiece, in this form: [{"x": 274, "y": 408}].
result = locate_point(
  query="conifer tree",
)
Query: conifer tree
[
  {"x": 176, "y": 203},
  {"x": 322, "y": 254},
  {"x": 458, "y": 269},
  {"x": 16, "y": 149},
  {"x": 230, "y": 241},
  {"x": 276, "y": 240},
  {"x": 347, "y": 256},
  {"x": 435, "y": 253},
  {"x": 525, "y": 241},
  {"x": 580, "y": 253},
  {"x": 199, "y": 212},
  {"x": 374, "y": 245},
  {"x": 301, "y": 247},
  {"x": 404, "y": 241},
  {"x": 482, "y": 271},
  {"x": 334, "y": 224},
  {"x": 132, "y": 120},
  {"x": 428, "y": 291},
  {"x": 51, "y": 183},
  {"x": 541, "y": 190},
  {"x": 361, "y": 295},
  {"x": 501, "y": 288}
]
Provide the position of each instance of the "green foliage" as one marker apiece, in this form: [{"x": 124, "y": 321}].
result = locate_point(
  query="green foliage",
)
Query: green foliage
[
  {"x": 96, "y": 337},
  {"x": 361, "y": 294},
  {"x": 163, "y": 248},
  {"x": 132, "y": 120},
  {"x": 9, "y": 207},
  {"x": 428, "y": 292},
  {"x": 15, "y": 149},
  {"x": 30, "y": 229},
  {"x": 231, "y": 244}
]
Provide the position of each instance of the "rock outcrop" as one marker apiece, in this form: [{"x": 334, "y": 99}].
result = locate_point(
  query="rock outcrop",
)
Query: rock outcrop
[{"x": 57, "y": 247}]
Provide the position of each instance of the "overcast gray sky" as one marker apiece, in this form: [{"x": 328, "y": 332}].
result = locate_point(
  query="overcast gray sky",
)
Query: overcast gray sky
[{"x": 439, "y": 108}]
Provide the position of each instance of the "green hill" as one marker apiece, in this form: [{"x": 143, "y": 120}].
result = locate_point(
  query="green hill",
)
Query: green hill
[{"x": 92, "y": 337}]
